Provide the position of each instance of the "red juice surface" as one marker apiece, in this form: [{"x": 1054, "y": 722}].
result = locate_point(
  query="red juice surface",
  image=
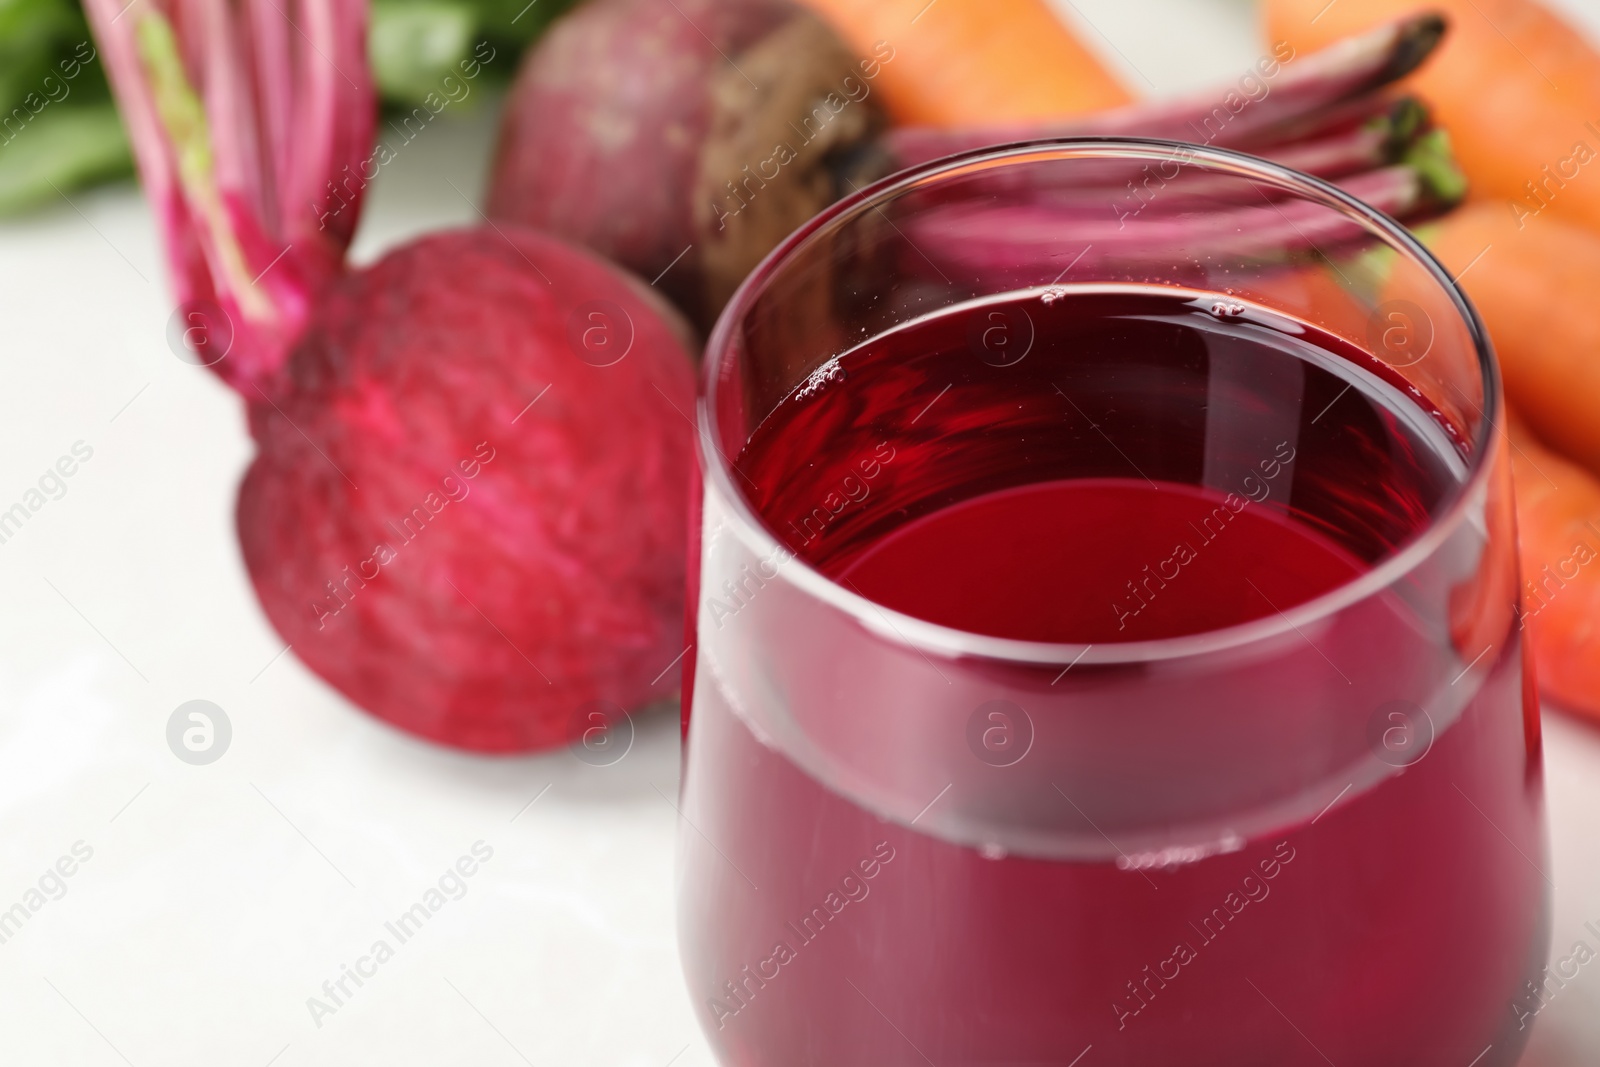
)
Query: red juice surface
[
  {"x": 1093, "y": 467},
  {"x": 1123, "y": 527}
]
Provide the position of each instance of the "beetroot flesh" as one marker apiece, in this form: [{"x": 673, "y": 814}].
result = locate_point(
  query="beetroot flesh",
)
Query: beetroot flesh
[{"x": 557, "y": 576}]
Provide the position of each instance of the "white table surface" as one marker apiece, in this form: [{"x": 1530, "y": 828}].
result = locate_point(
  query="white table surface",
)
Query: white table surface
[{"x": 219, "y": 898}]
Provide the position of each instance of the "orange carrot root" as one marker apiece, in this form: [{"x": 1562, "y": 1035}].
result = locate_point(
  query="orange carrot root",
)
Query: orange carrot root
[
  {"x": 964, "y": 62},
  {"x": 1534, "y": 287},
  {"x": 1558, "y": 519}
]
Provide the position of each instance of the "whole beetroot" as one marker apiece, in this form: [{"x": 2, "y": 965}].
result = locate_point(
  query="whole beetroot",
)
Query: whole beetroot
[
  {"x": 468, "y": 506},
  {"x": 685, "y": 138},
  {"x": 465, "y": 573}
]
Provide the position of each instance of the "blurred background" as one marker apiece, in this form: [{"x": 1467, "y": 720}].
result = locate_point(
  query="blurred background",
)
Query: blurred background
[{"x": 208, "y": 901}]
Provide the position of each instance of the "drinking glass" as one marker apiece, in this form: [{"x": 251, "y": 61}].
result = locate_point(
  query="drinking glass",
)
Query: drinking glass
[{"x": 1001, "y": 796}]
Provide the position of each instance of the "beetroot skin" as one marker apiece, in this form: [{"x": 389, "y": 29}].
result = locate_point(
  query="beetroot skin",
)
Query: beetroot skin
[
  {"x": 684, "y": 139},
  {"x": 463, "y": 565}
]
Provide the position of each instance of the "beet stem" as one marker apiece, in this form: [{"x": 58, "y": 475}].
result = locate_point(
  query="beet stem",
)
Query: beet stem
[
  {"x": 1377, "y": 144},
  {"x": 1003, "y": 238},
  {"x": 1388, "y": 137},
  {"x": 1406, "y": 115},
  {"x": 1324, "y": 79},
  {"x": 242, "y": 124}
]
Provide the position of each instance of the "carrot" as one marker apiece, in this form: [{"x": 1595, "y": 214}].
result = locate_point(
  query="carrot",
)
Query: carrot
[
  {"x": 1558, "y": 520},
  {"x": 1517, "y": 86},
  {"x": 955, "y": 62},
  {"x": 1534, "y": 287}
]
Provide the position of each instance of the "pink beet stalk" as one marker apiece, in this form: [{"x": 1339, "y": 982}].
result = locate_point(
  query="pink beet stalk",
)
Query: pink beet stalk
[
  {"x": 467, "y": 507},
  {"x": 240, "y": 118},
  {"x": 1400, "y": 112},
  {"x": 1304, "y": 87},
  {"x": 1384, "y": 137},
  {"x": 1378, "y": 143},
  {"x": 991, "y": 241}
]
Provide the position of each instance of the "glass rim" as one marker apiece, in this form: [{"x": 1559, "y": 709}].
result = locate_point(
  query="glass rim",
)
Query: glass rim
[{"x": 923, "y": 635}]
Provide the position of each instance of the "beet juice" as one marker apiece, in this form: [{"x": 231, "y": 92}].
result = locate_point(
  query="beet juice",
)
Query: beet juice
[{"x": 1178, "y": 846}]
